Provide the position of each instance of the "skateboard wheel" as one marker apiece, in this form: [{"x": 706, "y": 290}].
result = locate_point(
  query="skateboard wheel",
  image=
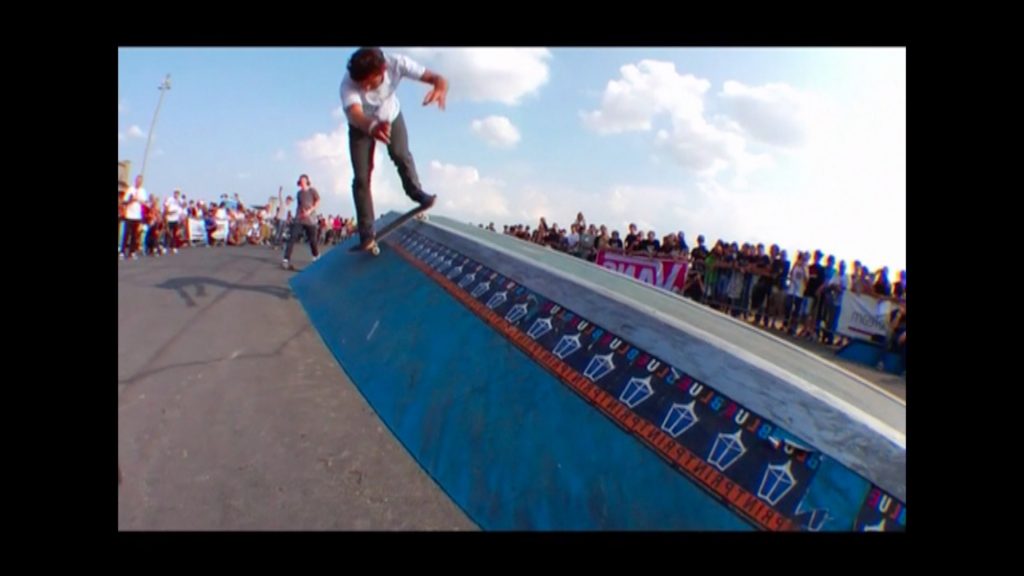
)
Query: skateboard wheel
[{"x": 375, "y": 250}]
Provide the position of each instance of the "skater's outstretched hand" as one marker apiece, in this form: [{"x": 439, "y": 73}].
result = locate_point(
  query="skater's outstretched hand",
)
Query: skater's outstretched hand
[
  {"x": 436, "y": 95},
  {"x": 440, "y": 91}
]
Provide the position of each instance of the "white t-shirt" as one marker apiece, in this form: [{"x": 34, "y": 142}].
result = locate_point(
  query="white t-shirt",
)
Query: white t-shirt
[
  {"x": 172, "y": 207},
  {"x": 381, "y": 103},
  {"x": 841, "y": 281},
  {"x": 135, "y": 198},
  {"x": 797, "y": 280}
]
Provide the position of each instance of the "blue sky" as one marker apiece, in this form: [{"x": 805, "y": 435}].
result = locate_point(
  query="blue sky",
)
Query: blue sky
[{"x": 803, "y": 147}]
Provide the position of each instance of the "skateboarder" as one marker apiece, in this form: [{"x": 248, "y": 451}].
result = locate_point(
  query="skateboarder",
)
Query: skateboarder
[{"x": 368, "y": 96}]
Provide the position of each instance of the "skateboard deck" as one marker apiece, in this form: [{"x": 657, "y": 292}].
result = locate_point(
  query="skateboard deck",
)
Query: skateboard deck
[{"x": 388, "y": 229}]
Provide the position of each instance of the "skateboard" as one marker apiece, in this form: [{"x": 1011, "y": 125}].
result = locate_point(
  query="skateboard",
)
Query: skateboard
[{"x": 395, "y": 224}]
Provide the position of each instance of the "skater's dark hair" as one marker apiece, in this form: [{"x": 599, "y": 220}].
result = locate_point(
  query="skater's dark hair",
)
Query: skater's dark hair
[
  {"x": 365, "y": 62},
  {"x": 299, "y": 181}
]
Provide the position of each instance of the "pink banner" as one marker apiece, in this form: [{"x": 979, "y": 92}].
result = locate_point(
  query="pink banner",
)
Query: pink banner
[{"x": 661, "y": 272}]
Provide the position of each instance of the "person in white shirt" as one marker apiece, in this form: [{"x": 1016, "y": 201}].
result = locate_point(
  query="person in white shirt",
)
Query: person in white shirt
[
  {"x": 281, "y": 221},
  {"x": 134, "y": 198},
  {"x": 572, "y": 241},
  {"x": 222, "y": 225},
  {"x": 368, "y": 96},
  {"x": 172, "y": 211},
  {"x": 795, "y": 292}
]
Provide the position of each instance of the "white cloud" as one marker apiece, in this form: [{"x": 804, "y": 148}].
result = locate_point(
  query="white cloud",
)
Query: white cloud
[
  {"x": 505, "y": 75},
  {"x": 796, "y": 219},
  {"x": 465, "y": 195},
  {"x": 709, "y": 151},
  {"x": 839, "y": 187},
  {"x": 853, "y": 176},
  {"x": 644, "y": 91},
  {"x": 135, "y": 132},
  {"x": 676, "y": 209},
  {"x": 774, "y": 113},
  {"x": 556, "y": 202},
  {"x": 834, "y": 203},
  {"x": 497, "y": 131},
  {"x": 652, "y": 90},
  {"x": 280, "y": 155}
]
